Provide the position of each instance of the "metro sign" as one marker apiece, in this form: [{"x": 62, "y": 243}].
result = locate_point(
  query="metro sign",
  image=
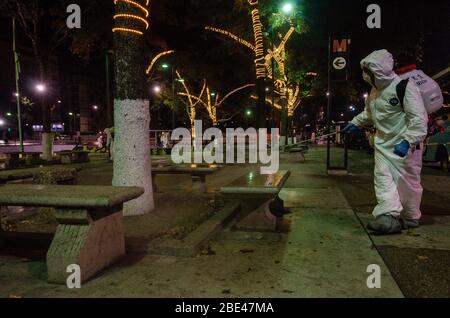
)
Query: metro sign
[
  {"x": 339, "y": 58},
  {"x": 341, "y": 46}
]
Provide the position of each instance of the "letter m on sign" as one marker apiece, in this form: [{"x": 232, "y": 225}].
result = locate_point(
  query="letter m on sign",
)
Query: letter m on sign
[{"x": 340, "y": 46}]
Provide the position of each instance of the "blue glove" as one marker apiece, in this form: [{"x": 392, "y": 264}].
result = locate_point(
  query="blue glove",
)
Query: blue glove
[
  {"x": 350, "y": 129},
  {"x": 402, "y": 148}
]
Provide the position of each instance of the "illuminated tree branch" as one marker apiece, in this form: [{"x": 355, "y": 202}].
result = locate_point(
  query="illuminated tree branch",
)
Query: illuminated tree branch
[
  {"x": 212, "y": 105},
  {"x": 269, "y": 101},
  {"x": 156, "y": 58},
  {"x": 232, "y": 36},
  {"x": 235, "y": 91},
  {"x": 192, "y": 101}
]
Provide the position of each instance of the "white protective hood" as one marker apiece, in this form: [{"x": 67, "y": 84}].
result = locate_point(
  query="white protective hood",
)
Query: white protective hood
[{"x": 381, "y": 64}]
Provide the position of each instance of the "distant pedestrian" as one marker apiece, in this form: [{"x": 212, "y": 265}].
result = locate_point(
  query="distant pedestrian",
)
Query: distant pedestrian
[{"x": 109, "y": 132}]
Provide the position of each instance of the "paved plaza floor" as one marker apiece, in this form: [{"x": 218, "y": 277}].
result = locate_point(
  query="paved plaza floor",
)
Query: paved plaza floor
[{"x": 323, "y": 250}]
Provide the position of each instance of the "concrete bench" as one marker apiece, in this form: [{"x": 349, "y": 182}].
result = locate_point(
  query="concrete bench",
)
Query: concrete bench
[
  {"x": 40, "y": 175},
  {"x": 32, "y": 158},
  {"x": 76, "y": 156},
  {"x": 288, "y": 148},
  {"x": 258, "y": 195},
  {"x": 90, "y": 231},
  {"x": 12, "y": 160},
  {"x": 15, "y": 159},
  {"x": 198, "y": 174},
  {"x": 298, "y": 154}
]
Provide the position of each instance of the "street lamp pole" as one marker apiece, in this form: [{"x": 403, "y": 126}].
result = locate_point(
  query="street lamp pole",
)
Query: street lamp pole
[
  {"x": 109, "y": 107},
  {"x": 17, "y": 69},
  {"x": 173, "y": 98}
]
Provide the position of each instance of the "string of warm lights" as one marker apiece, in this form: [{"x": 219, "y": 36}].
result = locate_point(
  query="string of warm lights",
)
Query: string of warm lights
[
  {"x": 260, "y": 60},
  {"x": 212, "y": 105},
  {"x": 122, "y": 20},
  {"x": 268, "y": 100},
  {"x": 232, "y": 36},
  {"x": 293, "y": 97},
  {"x": 258, "y": 47},
  {"x": 131, "y": 16},
  {"x": 156, "y": 58},
  {"x": 192, "y": 112},
  {"x": 127, "y": 30},
  {"x": 279, "y": 55},
  {"x": 137, "y": 5},
  {"x": 293, "y": 100}
]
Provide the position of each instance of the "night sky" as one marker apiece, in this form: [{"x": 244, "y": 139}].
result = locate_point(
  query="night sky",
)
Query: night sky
[{"x": 179, "y": 25}]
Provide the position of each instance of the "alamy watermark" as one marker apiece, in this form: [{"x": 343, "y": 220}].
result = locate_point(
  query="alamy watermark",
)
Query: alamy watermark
[
  {"x": 73, "y": 281},
  {"x": 374, "y": 19},
  {"x": 374, "y": 279},
  {"x": 237, "y": 146},
  {"x": 73, "y": 21}
]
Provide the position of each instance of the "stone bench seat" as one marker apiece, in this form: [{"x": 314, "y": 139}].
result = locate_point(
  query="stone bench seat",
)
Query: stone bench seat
[
  {"x": 288, "y": 148},
  {"x": 253, "y": 190},
  {"x": 197, "y": 174},
  {"x": 15, "y": 159},
  {"x": 65, "y": 175},
  {"x": 75, "y": 156},
  {"x": 90, "y": 231}
]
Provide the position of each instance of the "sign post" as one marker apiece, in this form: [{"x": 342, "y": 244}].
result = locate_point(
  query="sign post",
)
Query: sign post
[{"x": 338, "y": 72}]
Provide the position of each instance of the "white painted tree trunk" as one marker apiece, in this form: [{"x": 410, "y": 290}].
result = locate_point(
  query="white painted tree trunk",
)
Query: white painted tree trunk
[
  {"x": 132, "y": 166},
  {"x": 47, "y": 146}
]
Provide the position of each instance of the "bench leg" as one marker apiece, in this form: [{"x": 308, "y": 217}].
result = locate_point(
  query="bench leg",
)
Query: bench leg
[
  {"x": 12, "y": 163},
  {"x": 260, "y": 219},
  {"x": 155, "y": 189},
  {"x": 91, "y": 244},
  {"x": 255, "y": 213},
  {"x": 199, "y": 184},
  {"x": 66, "y": 159}
]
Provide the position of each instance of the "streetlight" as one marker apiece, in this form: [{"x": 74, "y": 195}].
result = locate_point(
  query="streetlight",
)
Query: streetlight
[
  {"x": 288, "y": 7},
  {"x": 213, "y": 94},
  {"x": 95, "y": 107},
  {"x": 8, "y": 114},
  {"x": 167, "y": 66},
  {"x": 157, "y": 89},
  {"x": 40, "y": 88},
  {"x": 2, "y": 122}
]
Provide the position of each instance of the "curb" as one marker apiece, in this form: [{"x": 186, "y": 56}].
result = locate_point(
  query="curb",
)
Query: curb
[{"x": 194, "y": 242}]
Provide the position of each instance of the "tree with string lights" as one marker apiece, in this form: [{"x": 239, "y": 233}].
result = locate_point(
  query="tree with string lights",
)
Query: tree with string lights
[
  {"x": 212, "y": 100},
  {"x": 132, "y": 165}
]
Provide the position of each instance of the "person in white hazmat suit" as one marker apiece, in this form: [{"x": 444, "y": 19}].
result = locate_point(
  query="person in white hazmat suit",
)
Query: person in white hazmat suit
[{"x": 401, "y": 131}]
